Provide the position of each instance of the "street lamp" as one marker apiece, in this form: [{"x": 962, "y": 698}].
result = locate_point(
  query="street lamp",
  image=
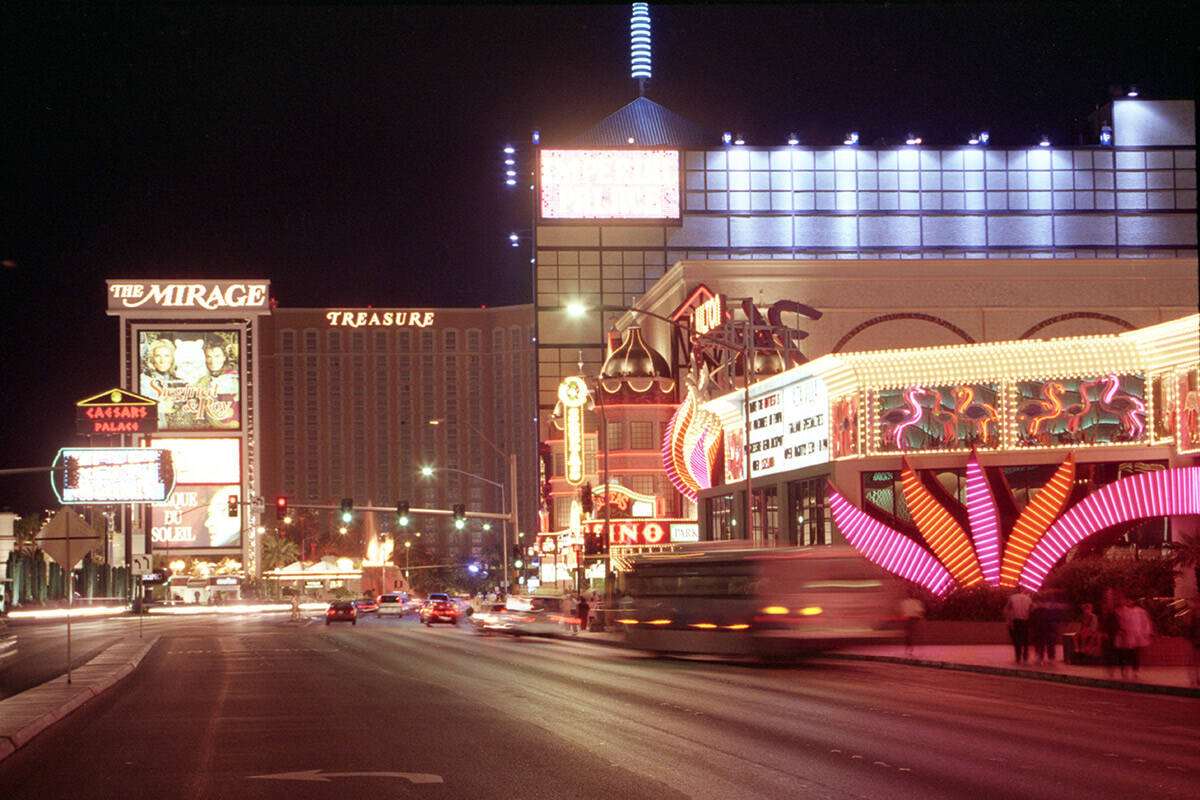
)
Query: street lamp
[{"x": 508, "y": 509}]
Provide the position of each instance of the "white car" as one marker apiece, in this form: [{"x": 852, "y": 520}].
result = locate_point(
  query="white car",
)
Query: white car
[{"x": 395, "y": 604}]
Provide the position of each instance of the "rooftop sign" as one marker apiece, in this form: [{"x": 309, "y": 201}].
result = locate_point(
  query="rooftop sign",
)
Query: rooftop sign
[
  {"x": 609, "y": 184},
  {"x": 195, "y": 296}
]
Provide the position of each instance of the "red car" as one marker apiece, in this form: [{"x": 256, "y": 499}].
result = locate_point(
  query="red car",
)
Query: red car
[
  {"x": 439, "y": 608},
  {"x": 342, "y": 611}
]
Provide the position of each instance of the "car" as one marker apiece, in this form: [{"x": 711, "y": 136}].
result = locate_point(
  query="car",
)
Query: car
[
  {"x": 395, "y": 604},
  {"x": 342, "y": 611},
  {"x": 8, "y": 642},
  {"x": 465, "y": 609},
  {"x": 366, "y": 605},
  {"x": 439, "y": 608}
]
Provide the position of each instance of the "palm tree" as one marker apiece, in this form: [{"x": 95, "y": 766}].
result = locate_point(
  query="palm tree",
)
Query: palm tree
[{"x": 278, "y": 551}]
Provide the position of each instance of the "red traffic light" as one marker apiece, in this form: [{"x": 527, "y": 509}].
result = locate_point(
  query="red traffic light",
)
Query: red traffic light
[
  {"x": 233, "y": 505},
  {"x": 281, "y": 507}
]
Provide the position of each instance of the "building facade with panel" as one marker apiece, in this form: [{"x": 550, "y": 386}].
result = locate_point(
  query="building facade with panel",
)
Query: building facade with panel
[
  {"x": 896, "y": 246},
  {"x": 349, "y": 395}
]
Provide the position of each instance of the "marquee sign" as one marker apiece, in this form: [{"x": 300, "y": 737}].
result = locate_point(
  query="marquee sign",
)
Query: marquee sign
[
  {"x": 112, "y": 475},
  {"x": 379, "y": 319},
  {"x": 573, "y": 394},
  {"x": 116, "y": 412},
  {"x": 626, "y": 532},
  {"x": 609, "y": 184},
  {"x": 196, "y": 296}
]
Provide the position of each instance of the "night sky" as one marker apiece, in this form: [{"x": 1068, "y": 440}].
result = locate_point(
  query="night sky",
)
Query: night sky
[{"x": 352, "y": 155}]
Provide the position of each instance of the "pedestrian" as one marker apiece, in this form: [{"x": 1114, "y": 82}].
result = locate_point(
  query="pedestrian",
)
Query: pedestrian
[
  {"x": 1109, "y": 602},
  {"x": 1087, "y": 638},
  {"x": 913, "y": 611},
  {"x": 1193, "y": 631},
  {"x": 1039, "y": 627},
  {"x": 1133, "y": 633},
  {"x": 584, "y": 611},
  {"x": 1016, "y": 614}
]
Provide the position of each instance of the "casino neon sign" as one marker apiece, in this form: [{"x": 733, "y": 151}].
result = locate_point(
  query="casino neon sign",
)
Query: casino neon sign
[
  {"x": 573, "y": 394},
  {"x": 609, "y": 184}
]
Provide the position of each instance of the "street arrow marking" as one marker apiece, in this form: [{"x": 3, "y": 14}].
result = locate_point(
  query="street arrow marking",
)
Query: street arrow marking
[{"x": 319, "y": 775}]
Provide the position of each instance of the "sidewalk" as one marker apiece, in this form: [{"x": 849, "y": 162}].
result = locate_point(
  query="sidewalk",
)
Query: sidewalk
[
  {"x": 993, "y": 659},
  {"x": 25, "y": 715}
]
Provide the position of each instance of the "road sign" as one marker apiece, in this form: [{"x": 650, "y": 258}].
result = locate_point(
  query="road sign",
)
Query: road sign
[{"x": 142, "y": 563}]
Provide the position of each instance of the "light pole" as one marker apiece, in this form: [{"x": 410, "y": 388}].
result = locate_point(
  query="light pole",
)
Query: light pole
[
  {"x": 407, "y": 547},
  {"x": 510, "y": 516}
]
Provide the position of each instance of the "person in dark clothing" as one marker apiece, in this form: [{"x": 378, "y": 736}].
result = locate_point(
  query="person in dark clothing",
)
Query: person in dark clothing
[{"x": 584, "y": 611}]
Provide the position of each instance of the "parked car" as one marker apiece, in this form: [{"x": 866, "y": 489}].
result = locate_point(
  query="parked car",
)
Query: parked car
[
  {"x": 395, "y": 604},
  {"x": 366, "y": 605},
  {"x": 342, "y": 611},
  {"x": 439, "y": 608}
]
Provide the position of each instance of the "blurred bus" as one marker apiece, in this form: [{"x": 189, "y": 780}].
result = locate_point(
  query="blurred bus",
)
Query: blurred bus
[{"x": 759, "y": 603}]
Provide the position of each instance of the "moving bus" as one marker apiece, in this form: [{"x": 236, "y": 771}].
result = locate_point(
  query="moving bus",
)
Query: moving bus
[{"x": 759, "y": 603}]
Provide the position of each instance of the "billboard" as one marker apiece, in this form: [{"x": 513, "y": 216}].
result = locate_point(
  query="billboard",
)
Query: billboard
[
  {"x": 196, "y": 517},
  {"x": 112, "y": 475},
  {"x": 609, "y": 184},
  {"x": 204, "y": 460},
  {"x": 194, "y": 375}
]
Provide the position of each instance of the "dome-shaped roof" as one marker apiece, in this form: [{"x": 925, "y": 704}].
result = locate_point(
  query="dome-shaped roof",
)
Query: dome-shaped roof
[
  {"x": 633, "y": 358},
  {"x": 636, "y": 363}
]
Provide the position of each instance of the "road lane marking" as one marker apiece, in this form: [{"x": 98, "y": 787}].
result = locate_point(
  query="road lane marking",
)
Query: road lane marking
[{"x": 326, "y": 777}]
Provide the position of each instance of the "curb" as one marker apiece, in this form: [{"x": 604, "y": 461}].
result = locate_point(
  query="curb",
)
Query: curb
[
  {"x": 24, "y": 716},
  {"x": 1011, "y": 672}
]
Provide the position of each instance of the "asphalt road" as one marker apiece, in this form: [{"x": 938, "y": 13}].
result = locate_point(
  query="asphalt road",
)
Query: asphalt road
[
  {"x": 42, "y": 647},
  {"x": 263, "y": 708}
]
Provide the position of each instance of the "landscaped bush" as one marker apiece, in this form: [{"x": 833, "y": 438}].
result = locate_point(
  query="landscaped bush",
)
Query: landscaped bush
[
  {"x": 1151, "y": 581},
  {"x": 974, "y": 604}
]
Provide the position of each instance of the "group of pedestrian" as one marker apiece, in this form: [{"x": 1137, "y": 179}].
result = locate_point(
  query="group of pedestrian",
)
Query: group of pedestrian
[
  {"x": 580, "y": 614},
  {"x": 1115, "y": 636}
]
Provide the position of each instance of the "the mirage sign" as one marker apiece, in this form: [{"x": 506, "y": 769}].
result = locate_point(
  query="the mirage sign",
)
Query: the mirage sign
[{"x": 189, "y": 296}]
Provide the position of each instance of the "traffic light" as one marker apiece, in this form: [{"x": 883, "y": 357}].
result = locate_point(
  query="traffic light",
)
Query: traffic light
[
  {"x": 347, "y": 509},
  {"x": 460, "y": 516},
  {"x": 402, "y": 513},
  {"x": 585, "y": 498},
  {"x": 233, "y": 505},
  {"x": 281, "y": 508}
]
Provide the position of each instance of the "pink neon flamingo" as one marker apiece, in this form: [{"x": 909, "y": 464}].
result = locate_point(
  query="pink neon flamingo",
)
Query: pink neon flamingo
[
  {"x": 947, "y": 419},
  {"x": 898, "y": 420},
  {"x": 978, "y": 414},
  {"x": 1040, "y": 411},
  {"x": 1129, "y": 409},
  {"x": 1077, "y": 411}
]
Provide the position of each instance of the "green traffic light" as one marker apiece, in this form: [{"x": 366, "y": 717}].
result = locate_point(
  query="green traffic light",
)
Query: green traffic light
[
  {"x": 460, "y": 523},
  {"x": 347, "y": 516},
  {"x": 404, "y": 521}
]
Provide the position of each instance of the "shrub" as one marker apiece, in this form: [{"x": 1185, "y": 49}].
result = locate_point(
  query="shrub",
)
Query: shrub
[
  {"x": 1151, "y": 581},
  {"x": 974, "y": 604}
]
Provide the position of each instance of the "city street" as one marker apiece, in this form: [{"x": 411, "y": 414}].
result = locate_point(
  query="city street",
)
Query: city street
[{"x": 251, "y": 706}]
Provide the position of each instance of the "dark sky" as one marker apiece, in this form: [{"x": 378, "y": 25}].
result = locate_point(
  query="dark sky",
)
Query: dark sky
[{"x": 351, "y": 155}]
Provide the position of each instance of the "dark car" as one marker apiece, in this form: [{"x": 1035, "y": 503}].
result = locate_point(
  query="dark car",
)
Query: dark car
[
  {"x": 439, "y": 608},
  {"x": 342, "y": 611}
]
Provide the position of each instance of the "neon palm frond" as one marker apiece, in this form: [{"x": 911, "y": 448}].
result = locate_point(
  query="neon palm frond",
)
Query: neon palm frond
[
  {"x": 888, "y": 547},
  {"x": 942, "y": 532},
  {"x": 985, "y": 521},
  {"x": 1035, "y": 520}
]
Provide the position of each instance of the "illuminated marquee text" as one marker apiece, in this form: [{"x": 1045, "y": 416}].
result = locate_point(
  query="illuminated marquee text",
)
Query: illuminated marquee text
[{"x": 366, "y": 319}]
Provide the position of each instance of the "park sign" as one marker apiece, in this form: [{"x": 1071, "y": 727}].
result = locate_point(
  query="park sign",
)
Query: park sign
[
  {"x": 86, "y": 475},
  {"x": 116, "y": 412}
]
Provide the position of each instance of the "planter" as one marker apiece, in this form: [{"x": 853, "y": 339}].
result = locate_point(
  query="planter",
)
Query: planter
[{"x": 945, "y": 631}]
